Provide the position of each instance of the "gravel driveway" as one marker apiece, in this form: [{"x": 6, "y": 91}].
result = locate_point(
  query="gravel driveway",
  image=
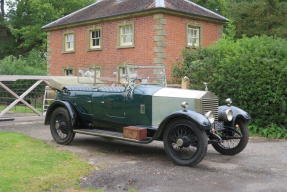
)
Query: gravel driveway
[{"x": 121, "y": 166}]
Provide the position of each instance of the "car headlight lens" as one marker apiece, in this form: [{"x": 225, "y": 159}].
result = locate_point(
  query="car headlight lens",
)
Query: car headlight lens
[
  {"x": 210, "y": 116},
  {"x": 229, "y": 114},
  {"x": 226, "y": 115}
]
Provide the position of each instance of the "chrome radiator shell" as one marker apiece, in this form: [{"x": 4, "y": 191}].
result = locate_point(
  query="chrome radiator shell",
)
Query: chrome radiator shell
[{"x": 210, "y": 102}]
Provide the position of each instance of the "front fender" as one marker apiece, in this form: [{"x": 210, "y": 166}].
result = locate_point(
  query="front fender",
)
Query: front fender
[
  {"x": 65, "y": 104},
  {"x": 237, "y": 113},
  {"x": 202, "y": 122}
]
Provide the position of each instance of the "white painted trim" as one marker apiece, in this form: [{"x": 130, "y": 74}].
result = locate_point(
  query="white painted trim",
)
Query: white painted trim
[
  {"x": 98, "y": 1},
  {"x": 206, "y": 9},
  {"x": 159, "y": 3}
]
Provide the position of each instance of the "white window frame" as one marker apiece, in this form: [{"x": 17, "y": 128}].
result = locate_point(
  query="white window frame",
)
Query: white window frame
[
  {"x": 126, "y": 35},
  {"x": 95, "y": 38},
  {"x": 97, "y": 70},
  {"x": 69, "y": 72},
  {"x": 69, "y": 42},
  {"x": 193, "y": 36}
]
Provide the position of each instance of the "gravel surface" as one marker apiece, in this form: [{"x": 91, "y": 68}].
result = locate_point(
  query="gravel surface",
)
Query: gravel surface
[{"x": 121, "y": 166}]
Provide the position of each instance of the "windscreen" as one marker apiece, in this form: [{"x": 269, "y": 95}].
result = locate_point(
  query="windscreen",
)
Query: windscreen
[
  {"x": 123, "y": 75},
  {"x": 154, "y": 75}
]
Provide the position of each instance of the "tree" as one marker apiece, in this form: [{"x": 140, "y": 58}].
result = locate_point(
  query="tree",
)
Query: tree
[
  {"x": 218, "y": 6},
  {"x": 2, "y": 13},
  {"x": 26, "y": 18},
  {"x": 265, "y": 17}
]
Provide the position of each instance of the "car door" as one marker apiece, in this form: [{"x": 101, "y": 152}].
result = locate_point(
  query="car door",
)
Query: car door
[
  {"x": 115, "y": 106},
  {"x": 109, "y": 106},
  {"x": 83, "y": 102}
]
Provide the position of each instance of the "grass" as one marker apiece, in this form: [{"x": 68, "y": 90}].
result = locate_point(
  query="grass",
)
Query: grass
[
  {"x": 271, "y": 132},
  {"x": 30, "y": 165},
  {"x": 20, "y": 109}
]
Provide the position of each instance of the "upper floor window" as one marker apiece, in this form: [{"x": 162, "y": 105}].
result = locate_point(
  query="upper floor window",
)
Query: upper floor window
[
  {"x": 69, "y": 42},
  {"x": 126, "y": 35},
  {"x": 193, "y": 36},
  {"x": 95, "y": 39}
]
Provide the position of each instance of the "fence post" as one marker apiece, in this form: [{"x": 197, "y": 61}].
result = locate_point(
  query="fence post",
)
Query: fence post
[{"x": 185, "y": 83}]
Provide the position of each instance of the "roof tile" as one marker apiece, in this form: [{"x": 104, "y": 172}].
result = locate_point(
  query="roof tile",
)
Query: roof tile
[{"x": 109, "y": 8}]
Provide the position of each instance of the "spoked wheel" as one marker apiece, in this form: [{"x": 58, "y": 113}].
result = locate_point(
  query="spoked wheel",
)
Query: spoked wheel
[
  {"x": 234, "y": 139},
  {"x": 60, "y": 126},
  {"x": 184, "y": 142}
]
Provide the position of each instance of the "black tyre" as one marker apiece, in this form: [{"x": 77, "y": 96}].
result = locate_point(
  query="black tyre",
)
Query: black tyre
[
  {"x": 238, "y": 142},
  {"x": 61, "y": 127},
  {"x": 184, "y": 142}
]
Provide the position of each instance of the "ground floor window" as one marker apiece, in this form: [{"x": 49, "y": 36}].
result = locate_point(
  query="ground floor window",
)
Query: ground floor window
[{"x": 68, "y": 72}]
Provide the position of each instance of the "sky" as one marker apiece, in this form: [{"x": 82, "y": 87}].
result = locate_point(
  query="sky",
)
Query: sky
[{"x": 6, "y": 7}]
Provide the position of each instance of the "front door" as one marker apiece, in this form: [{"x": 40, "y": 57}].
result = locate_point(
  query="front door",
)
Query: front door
[
  {"x": 115, "y": 104},
  {"x": 109, "y": 109}
]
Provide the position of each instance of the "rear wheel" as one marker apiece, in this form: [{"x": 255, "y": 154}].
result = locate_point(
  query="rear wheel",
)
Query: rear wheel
[
  {"x": 61, "y": 127},
  {"x": 185, "y": 143},
  {"x": 234, "y": 140}
]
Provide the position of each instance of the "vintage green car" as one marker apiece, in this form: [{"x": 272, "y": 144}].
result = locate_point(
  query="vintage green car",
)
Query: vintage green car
[{"x": 185, "y": 120}]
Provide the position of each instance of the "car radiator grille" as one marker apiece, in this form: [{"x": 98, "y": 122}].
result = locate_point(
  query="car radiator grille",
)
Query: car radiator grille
[{"x": 210, "y": 104}]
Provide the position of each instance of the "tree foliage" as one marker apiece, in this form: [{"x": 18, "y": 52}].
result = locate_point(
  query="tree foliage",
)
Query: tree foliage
[
  {"x": 252, "y": 17},
  {"x": 252, "y": 71},
  {"x": 33, "y": 63},
  {"x": 27, "y": 17},
  {"x": 218, "y": 6},
  {"x": 264, "y": 17},
  {"x": 2, "y": 10}
]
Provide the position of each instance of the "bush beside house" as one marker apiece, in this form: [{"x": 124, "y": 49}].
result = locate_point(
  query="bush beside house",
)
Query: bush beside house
[{"x": 252, "y": 71}]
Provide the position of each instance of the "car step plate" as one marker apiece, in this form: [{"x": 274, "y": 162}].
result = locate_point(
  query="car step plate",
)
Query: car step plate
[{"x": 110, "y": 134}]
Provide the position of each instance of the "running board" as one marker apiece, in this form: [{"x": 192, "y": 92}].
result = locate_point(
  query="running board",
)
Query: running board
[{"x": 111, "y": 134}]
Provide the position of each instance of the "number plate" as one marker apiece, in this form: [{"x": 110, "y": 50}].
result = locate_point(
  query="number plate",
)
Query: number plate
[{"x": 218, "y": 126}]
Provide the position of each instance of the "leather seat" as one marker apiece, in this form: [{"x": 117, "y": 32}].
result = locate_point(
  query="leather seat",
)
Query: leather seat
[
  {"x": 111, "y": 89},
  {"x": 80, "y": 88}
]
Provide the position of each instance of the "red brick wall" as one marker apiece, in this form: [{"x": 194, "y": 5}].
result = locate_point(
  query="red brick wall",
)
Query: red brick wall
[
  {"x": 110, "y": 56},
  {"x": 176, "y": 38}
]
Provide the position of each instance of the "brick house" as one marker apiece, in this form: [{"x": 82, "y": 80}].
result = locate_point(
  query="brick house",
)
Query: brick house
[{"x": 110, "y": 33}]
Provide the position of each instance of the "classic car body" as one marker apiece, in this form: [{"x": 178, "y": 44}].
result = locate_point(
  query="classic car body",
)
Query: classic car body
[{"x": 106, "y": 110}]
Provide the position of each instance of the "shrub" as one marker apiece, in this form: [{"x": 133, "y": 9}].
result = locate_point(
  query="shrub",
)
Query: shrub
[
  {"x": 252, "y": 71},
  {"x": 34, "y": 63},
  {"x": 272, "y": 131}
]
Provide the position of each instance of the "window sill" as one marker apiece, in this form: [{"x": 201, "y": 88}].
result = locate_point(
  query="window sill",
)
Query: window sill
[
  {"x": 68, "y": 52},
  {"x": 192, "y": 47},
  {"x": 126, "y": 47},
  {"x": 95, "y": 49}
]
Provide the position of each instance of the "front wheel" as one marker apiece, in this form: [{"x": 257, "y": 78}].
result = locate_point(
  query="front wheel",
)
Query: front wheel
[
  {"x": 60, "y": 126},
  {"x": 234, "y": 140},
  {"x": 185, "y": 143}
]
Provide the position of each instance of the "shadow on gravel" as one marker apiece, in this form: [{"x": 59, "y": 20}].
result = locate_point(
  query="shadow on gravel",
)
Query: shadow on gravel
[{"x": 121, "y": 148}]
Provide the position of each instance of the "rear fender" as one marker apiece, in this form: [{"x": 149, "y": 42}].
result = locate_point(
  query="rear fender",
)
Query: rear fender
[
  {"x": 72, "y": 112},
  {"x": 202, "y": 122}
]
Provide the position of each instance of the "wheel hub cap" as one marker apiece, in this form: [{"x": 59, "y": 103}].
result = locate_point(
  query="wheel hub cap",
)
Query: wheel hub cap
[{"x": 179, "y": 142}]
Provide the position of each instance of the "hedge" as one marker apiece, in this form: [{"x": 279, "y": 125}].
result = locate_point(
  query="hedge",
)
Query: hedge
[{"x": 251, "y": 71}]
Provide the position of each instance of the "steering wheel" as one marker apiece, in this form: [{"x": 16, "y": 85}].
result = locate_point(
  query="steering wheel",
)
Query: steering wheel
[{"x": 136, "y": 79}]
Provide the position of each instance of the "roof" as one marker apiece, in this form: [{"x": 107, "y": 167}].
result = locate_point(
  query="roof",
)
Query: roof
[{"x": 109, "y": 8}]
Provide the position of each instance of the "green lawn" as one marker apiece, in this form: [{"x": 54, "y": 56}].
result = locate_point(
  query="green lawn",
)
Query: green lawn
[
  {"x": 20, "y": 109},
  {"x": 30, "y": 165}
]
